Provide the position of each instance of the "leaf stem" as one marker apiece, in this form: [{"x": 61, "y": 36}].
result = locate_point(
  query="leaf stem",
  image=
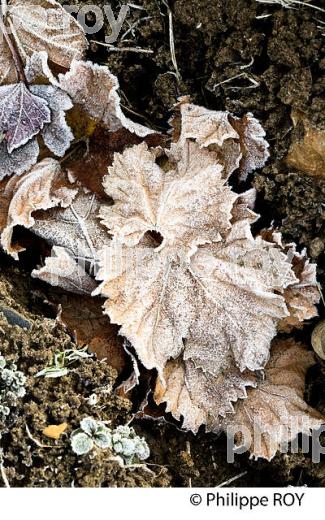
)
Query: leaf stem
[
  {"x": 14, "y": 52},
  {"x": 4, "y": 7}
]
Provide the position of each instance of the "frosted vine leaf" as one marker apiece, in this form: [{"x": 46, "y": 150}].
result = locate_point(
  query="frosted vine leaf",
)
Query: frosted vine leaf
[
  {"x": 207, "y": 293},
  {"x": 56, "y": 133},
  {"x": 22, "y": 114},
  {"x": 302, "y": 296},
  {"x": 44, "y": 187},
  {"x": 41, "y": 25},
  {"x": 238, "y": 143},
  {"x": 61, "y": 270},
  {"x": 94, "y": 88},
  {"x": 191, "y": 206},
  {"x": 275, "y": 412},
  {"x": 76, "y": 228},
  {"x": 196, "y": 397}
]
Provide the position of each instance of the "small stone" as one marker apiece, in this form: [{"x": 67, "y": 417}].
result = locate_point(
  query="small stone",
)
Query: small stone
[{"x": 55, "y": 431}]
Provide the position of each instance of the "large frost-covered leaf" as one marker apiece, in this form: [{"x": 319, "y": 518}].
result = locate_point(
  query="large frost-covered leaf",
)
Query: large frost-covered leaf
[
  {"x": 206, "y": 293},
  {"x": 188, "y": 205}
]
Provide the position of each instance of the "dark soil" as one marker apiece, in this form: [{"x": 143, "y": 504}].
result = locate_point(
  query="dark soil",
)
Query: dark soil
[{"x": 277, "y": 64}]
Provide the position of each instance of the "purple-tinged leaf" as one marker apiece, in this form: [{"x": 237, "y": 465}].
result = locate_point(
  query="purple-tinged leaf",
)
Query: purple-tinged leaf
[{"x": 22, "y": 114}]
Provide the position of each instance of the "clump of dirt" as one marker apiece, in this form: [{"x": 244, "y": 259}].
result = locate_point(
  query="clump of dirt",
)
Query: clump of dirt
[{"x": 30, "y": 459}]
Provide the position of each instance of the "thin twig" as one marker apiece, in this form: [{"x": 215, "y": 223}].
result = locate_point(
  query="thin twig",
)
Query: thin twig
[
  {"x": 223, "y": 484},
  {"x": 15, "y": 55},
  {"x": 172, "y": 41},
  {"x": 3, "y": 472},
  {"x": 134, "y": 6},
  {"x": 112, "y": 48},
  {"x": 39, "y": 444},
  {"x": 133, "y": 26},
  {"x": 288, "y": 4},
  {"x": 255, "y": 83}
]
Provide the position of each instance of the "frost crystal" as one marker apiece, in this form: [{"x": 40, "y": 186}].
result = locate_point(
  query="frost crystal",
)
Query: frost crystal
[
  {"x": 90, "y": 434},
  {"x": 127, "y": 444},
  {"x": 12, "y": 388},
  {"x": 123, "y": 441}
]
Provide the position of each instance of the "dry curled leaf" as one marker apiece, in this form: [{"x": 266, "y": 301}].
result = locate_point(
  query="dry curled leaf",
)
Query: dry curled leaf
[
  {"x": 94, "y": 88},
  {"x": 307, "y": 153},
  {"x": 8, "y": 73},
  {"x": 75, "y": 227},
  {"x": 61, "y": 270},
  {"x": 40, "y": 25},
  {"x": 302, "y": 296},
  {"x": 275, "y": 412},
  {"x": 254, "y": 148},
  {"x": 208, "y": 293},
  {"x": 44, "y": 187},
  {"x": 83, "y": 317}
]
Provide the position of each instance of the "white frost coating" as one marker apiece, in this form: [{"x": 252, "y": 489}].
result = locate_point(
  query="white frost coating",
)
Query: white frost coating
[
  {"x": 76, "y": 228},
  {"x": 43, "y": 187},
  {"x": 19, "y": 161},
  {"x": 51, "y": 125},
  {"x": 95, "y": 89},
  {"x": 276, "y": 408},
  {"x": 57, "y": 135},
  {"x": 22, "y": 114},
  {"x": 61, "y": 270},
  {"x": 44, "y": 25}
]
